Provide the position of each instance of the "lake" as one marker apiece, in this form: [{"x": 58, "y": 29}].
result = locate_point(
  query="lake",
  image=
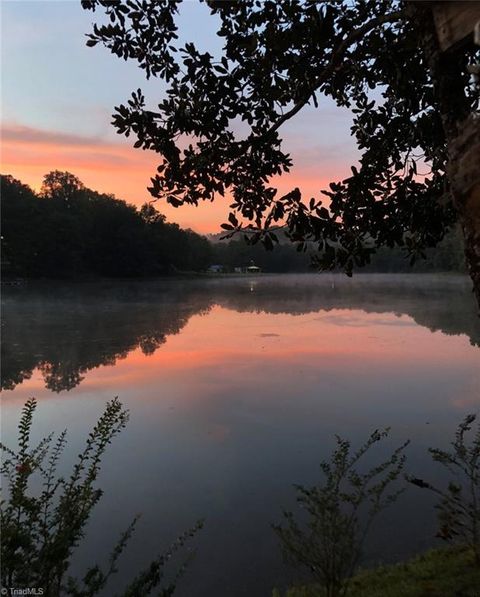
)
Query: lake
[{"x": 236, "y": 387}]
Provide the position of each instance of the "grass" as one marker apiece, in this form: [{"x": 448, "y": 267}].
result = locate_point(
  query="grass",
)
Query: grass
[{"x": 437, "y": 573}]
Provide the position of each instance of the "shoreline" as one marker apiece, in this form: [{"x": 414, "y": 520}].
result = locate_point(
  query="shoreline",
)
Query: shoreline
[{"x": 442, "y": 572}]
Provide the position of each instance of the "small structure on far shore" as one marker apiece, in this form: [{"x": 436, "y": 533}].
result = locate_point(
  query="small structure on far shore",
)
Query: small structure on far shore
[
  {"x": 246, "y": 269},
  {"x": 216, "y": 269}
]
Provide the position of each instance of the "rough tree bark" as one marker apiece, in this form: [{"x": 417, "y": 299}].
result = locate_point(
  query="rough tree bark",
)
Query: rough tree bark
[
  {"x": 462, "y": 132},
  {"x": 464, "y": 174}
]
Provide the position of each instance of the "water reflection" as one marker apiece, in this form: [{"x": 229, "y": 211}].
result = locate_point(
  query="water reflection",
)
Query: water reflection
[
  {"x": 66, "y": 330},
  {"x": 236, "y": 388}
]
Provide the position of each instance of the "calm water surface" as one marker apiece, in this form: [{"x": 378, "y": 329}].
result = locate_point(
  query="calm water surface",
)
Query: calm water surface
[{"x": 236, "y": 388}]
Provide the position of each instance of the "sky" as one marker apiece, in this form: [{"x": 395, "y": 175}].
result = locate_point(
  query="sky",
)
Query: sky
[{"x": 57, "y": 98}]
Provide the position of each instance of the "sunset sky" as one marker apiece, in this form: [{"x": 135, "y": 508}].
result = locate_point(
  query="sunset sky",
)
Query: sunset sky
[{"x": 58, "y": 97}]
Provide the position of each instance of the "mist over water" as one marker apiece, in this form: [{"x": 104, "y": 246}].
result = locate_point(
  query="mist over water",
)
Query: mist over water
[{"x": 236, "y": 387}]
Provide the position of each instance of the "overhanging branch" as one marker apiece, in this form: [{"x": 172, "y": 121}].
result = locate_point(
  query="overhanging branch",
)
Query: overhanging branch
[{"x": 337, "y": 55}]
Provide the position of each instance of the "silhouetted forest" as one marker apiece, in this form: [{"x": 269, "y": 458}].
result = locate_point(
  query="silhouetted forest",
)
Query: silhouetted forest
[
  {"x": 68, "y": 231},
  {"x": 448, "y": 256}
]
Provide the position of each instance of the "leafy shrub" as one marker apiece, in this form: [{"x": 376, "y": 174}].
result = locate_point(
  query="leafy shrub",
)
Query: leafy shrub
[
  {"x": 340, "y": 513},
  {"x": 40, "y": 532},
  {"x": 459, "y": 505}
]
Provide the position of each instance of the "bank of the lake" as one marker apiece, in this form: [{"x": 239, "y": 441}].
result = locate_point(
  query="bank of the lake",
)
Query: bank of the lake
[{"x": 436, "y": 573}]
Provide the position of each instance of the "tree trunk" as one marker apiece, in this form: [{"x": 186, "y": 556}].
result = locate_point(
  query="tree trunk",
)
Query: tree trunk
[
  {"x": 462, "y": 133},
  {"x": 464, "y": 174}
]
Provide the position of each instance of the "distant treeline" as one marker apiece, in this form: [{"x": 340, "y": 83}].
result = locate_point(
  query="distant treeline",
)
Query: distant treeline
[
  {"x": 447, "y": 256},
  {"x": 67, "y": 230}
]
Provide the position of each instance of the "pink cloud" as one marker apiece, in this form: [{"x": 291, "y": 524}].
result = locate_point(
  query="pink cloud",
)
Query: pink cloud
[{"x": 30, "y": 135}]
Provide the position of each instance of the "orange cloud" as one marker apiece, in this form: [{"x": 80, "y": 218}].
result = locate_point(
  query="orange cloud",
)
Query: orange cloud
[{"x": 116, "y": 167}]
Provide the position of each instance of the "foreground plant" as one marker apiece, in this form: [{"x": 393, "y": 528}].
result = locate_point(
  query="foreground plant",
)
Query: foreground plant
[
  {"x": 40, "y": 530},
  {"x": 459, "y": 505},
  {"x": 340, "y": 513}
]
